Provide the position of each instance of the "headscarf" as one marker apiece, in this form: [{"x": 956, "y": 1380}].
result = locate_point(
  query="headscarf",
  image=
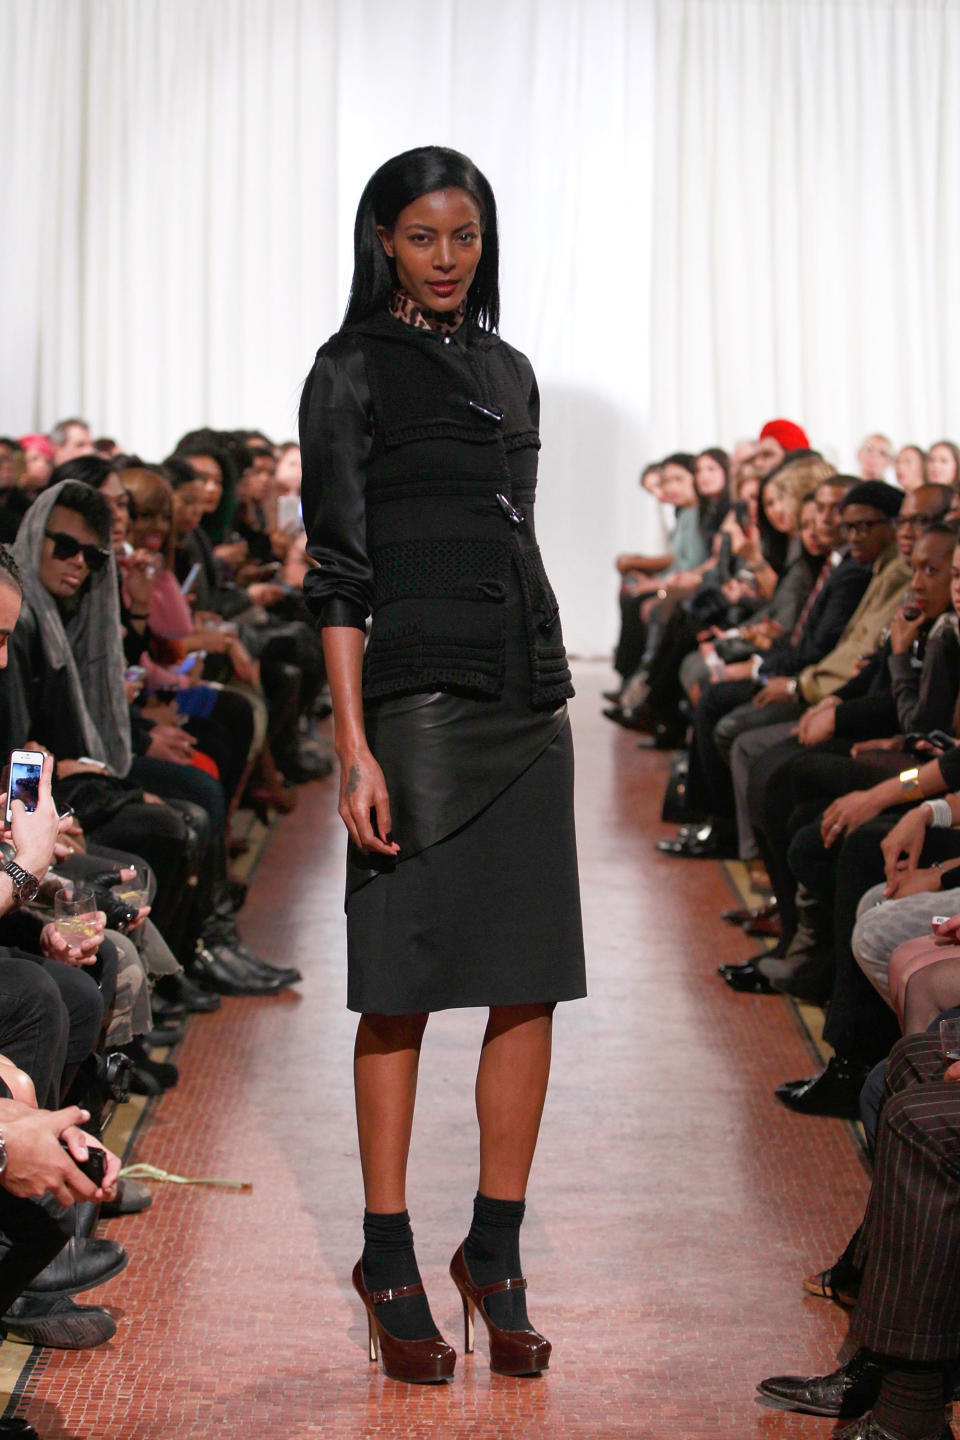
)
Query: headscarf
[
  {"x": 787, "y": 434},
  {"x": 87, "y": 646}
]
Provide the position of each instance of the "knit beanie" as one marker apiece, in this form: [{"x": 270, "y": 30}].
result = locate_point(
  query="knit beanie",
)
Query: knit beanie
[{"x": 786, "y": 434}]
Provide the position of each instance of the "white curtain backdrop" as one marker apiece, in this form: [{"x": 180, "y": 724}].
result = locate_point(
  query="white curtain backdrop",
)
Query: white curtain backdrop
[{"x": 713, "y": 211}]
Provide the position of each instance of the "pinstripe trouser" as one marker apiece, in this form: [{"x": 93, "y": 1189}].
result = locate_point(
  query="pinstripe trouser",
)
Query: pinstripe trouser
[{"x": 909, "y": 1305}]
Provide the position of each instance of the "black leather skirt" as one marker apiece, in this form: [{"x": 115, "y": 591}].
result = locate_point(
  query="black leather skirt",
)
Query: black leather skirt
[{"x": 482, "y": 906}]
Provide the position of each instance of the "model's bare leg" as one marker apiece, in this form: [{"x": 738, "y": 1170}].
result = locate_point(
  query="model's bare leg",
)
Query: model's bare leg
[
  {"x": 386, "y": 1059},
  {"x": 511, "y": 1089}
]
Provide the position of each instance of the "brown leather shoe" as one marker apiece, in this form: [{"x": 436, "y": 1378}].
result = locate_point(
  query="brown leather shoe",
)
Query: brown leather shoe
[
  {"x": 419, "y": 1362},
  {"x": 512, "y": 1352}
]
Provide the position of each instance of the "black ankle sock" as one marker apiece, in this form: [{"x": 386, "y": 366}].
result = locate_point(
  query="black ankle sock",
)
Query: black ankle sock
[
  {"x": 911, "y": 1401},
  {"x": 388, "y": 1262},
  {"x": 492, "y": 1252}
]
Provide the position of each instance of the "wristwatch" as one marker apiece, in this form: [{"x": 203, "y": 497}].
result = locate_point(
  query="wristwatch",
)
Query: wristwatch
[
  {"x": 910, "y": 780},
  {"x": 3, "y": 1154},
  {"x": 25, "y": 885}
]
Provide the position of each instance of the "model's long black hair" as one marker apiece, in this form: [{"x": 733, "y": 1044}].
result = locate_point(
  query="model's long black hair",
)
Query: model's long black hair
[{"x": 391, "y": 189}]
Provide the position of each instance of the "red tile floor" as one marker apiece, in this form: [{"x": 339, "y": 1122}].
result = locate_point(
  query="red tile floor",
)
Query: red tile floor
[{"x": 674, "y": 1206}]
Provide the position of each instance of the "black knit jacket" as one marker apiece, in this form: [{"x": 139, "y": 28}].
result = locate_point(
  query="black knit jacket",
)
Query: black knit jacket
[{"x": 419, "y": 481}]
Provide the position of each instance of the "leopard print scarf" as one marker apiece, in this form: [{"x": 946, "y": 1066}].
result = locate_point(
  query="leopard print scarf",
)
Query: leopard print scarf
[{"x": 444, "y": 322}]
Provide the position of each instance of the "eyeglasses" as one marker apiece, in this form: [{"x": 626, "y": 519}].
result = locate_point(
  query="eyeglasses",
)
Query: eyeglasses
[
  {"x": 914, "y": 522},
  {"x": 860, "y": 528},
  {"x": 65, "y": 547}
]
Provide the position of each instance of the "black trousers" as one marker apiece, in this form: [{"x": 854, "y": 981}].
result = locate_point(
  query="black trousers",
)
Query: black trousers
[
  {"x": 909, "y": 1246},
  {"x": 709, "y": 783},
  {"x": 859, "y": 1024}
]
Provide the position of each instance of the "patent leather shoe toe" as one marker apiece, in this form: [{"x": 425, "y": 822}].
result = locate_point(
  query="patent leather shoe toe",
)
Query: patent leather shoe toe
[
  {"x": 746, "y": 979},
  {"x": 418, "y": 1362},
  {"x": 512, "y": 1352},
  {"x": 835, "y": 1091},
  {"x": 851, "y": 1390}
]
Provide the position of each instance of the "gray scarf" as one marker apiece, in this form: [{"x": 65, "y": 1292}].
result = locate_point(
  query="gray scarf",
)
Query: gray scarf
[{"x": 87, "y": 646}]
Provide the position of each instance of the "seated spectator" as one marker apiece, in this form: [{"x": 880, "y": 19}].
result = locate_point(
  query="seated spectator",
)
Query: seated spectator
[
  {"x": 70, "y": 439},
  {"x": 943, "y": 463},
  {"x": 875, "y": 457},
  {"x": 905, "y": 1327},
  {"x": 911, "y": 467}
]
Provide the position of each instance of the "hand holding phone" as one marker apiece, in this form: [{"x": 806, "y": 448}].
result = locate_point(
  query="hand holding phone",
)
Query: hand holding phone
[{"x": 24, "y": 771}]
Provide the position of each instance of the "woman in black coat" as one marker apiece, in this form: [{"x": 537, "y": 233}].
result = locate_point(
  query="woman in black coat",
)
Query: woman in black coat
[{"x": 419, "y": 441}]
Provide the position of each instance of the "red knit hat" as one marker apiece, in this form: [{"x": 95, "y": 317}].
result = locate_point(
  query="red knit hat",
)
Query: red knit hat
[
  {"x": 786, "y": 434},
  {"x": 40, "y": 443}
]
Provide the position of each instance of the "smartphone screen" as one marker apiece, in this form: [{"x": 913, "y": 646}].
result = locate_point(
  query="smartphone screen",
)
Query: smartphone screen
[
  {"x": 193, "y": 575},
  {"x": 25, "y": 768}
]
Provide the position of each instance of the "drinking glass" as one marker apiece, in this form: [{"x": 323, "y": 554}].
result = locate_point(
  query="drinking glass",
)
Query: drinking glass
[
  {"x": 950, "y": 1039},
  {"x": 75, "y": 913}
]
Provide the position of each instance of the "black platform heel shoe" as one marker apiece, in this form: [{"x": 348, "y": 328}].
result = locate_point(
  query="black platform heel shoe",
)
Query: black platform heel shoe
[
  {"x": 419, "y": 1362},
  {"x": 512, "y": 1352}
]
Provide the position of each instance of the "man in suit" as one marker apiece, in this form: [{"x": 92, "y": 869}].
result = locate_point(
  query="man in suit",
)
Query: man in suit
[{"x": 906, "y": 1322}]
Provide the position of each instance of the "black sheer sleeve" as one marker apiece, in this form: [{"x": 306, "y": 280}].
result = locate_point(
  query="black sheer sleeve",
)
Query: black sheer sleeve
[{"x": 336, "y": 433}]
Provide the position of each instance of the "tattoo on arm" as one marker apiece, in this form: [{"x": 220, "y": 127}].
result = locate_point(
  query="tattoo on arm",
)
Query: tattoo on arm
[{"x": 353, "y": 779}]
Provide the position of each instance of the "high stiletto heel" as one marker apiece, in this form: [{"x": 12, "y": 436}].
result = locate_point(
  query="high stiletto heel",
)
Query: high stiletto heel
[
  {"x": 419, "y": 1362},
  {"x": 512, "y": 1352}
]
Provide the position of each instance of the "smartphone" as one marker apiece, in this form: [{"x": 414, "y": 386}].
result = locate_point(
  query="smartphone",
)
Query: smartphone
[
  {"x": 24, "y": 772},
  {"x": 134, "y": 674},
  {"x": 185, "y": 666},
  {"x": 289, "y": 516},
  {"x": 193, "y": 575}
]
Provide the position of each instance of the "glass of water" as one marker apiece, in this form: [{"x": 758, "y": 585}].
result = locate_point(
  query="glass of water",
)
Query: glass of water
[
  {"x": 950, "y": 1038},
  {"x": 133, "y": 892},
  {"x": 75, "y": 913}
]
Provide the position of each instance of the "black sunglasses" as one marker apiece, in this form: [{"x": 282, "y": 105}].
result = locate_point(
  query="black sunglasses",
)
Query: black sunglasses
[{"x": 65, "y": 547}]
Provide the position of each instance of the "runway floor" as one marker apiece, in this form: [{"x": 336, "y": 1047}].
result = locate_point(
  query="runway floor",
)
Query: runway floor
[{"x": 673, "y": 1210}]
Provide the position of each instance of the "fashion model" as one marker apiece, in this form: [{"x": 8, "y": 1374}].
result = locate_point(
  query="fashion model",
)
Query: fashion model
[{"x": 419, "y": 441}]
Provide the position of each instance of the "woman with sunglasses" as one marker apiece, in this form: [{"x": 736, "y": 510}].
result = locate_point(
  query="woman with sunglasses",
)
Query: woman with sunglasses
[{"x": 419, "y": 442}]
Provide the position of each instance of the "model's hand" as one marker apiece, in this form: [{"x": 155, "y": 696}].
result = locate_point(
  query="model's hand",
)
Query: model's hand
[
  {"x": 363, "y": 790},
  {"x": 846, "y": 815},
  {"x": 901, "y": 847}
]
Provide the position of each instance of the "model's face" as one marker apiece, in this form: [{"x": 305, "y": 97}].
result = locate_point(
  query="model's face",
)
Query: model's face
[
  {"x": 941, "y": 466},
  {"x": 436, "y": 245},
  {"x": 63, "y": 578},
  {"x": 932, "y": 562},
  {"x": 187, "y": 508},
  {"x": 676, "y": 485},
  {"x": 909, "y": 467},
  {"x": 874, "y": 456},
  {"x": 767, "y": 456},
  {"x": 711, "y": 477},
  {"x": 119, "y": 501},
  {"x": 780, "y": 508}
]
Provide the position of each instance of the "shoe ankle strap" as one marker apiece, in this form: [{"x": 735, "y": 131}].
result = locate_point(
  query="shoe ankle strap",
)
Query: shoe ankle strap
[
  {"x": 515, "y": 1283},
  {"x": 383, "y": 1297}
]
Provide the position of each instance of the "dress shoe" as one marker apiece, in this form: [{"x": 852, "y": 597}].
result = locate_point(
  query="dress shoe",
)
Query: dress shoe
[
  {"x": 262, "y": 968},
  {"x": 131, "y": 1199},
  {"x": 219, "y": 969},
  {"x": 302, "y": 766},
  {"x": 57, "y": 1321},
  {"x": 632, "y": 717},
  {"x": 664, "y": 735},
  {"x": 419, "y": 1362},
  {"x": 81, "y": 1265},
  {"x": 835, "y": 1091},
  {"x": 150, "y": 1077},
  {"x": 851, "y": 1390},
  {"x": 613, "y": 696},
  {"x": 17, "y": 1428},
  {"x": 512, "y": 1352},
  {"x": 744, "y": 914},
  {"x": 868, "y": 1429},
  {"x": 163, "y": 1036},
  {"x": 697, "y": 842},
  {"x": 183, "y": 990},
  {"x": 803, "y": 975},
  {"x": 746, "y": 979}
]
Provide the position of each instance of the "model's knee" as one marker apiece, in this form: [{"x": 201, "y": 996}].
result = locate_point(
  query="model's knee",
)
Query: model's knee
[{"x": 381, "y": 1034}]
